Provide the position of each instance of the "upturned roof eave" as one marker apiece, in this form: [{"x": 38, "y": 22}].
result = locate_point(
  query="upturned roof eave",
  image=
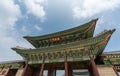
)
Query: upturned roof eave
[
  {"x": 33, "y": 39},
  {"x": 27, "y": 51}
]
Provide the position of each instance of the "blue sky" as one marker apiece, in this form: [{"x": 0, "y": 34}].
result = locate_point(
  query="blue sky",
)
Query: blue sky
[{"x": 19, "y": 18}]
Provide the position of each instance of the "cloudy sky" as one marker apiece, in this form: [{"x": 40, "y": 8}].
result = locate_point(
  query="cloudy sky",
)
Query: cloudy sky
[{"x": 19, "y": 18}]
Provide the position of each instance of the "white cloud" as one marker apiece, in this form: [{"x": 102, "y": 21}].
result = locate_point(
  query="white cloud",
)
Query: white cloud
[
  {"x": 36, "y": 8},
  {"x": 9, "y": 14},
  {"x": 91, "y": 7},
  {"x": 38, "y": 28},
  {"x": 25, "y": 29}
]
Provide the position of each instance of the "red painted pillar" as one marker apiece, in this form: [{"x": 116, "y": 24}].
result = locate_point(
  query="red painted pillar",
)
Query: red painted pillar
[
  {"x": 25, "y": 69},
  {"x": 28, "y": 71},
  {"x": 51, "y": 72},
  {"x": 54, "y": 72},
  {"x": 70, "y": 71},
  {"x": 66, "y": 68},
  {"x": 42, "y": 69},
  {"x": 93, "y": 68}
]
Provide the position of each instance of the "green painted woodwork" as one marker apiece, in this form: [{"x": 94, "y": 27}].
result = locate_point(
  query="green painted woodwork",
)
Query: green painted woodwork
[
  {"x": 84, "y": 31},
  {"x": 73, "y": 45},
  {"x": 110, "y": 60},
  {"x": 107, "y": 62},
  {"x": 11, "y": 65},
  {"x": 1, "y": 66},
  {"x": 74, "y": 51},
  {"x": 118, "y": 60},
  {"x": 115, "y": 61}
]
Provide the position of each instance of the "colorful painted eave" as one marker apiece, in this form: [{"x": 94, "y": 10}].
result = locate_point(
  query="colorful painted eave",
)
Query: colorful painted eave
[
  {"x": 112, "y": 57},
  {"x": 87, "y": 29},
  {"x": 85, "y": 48},
  {"x": 14, "y": 65}
]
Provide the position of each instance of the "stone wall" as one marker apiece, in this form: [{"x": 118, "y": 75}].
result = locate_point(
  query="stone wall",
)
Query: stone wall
[{"x": 106, "y": 70}]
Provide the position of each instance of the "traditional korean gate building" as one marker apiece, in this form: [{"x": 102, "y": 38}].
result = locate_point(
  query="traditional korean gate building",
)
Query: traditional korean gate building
[{"x": 68, "y": 50}]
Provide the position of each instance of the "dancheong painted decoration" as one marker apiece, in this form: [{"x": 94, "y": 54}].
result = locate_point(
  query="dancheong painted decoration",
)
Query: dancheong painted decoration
[{"x": 76, "y": 51}]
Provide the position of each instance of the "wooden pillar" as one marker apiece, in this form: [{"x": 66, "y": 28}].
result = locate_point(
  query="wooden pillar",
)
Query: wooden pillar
[
  {"x": 66, "y": 67},
  {"x": 115, "y": 71},
  {"x": 28, "y": 71},
  {"x": 54, "y": 72},
  {"x": 42, "y": 69},
  {"x": 51, "y": 72},
  {"x": 36, "y": 72},
  {"x": 93, "y": 69},
  {"x": 25, "y": 69},
  {"x": 70, "y": 71}
]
